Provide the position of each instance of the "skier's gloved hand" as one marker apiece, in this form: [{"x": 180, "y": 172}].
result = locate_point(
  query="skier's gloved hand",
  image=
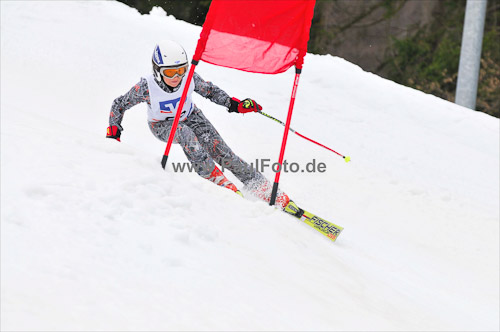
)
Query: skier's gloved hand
[
  {"x": 244, "y": 106},
  {"x": 114, "y": 132}
]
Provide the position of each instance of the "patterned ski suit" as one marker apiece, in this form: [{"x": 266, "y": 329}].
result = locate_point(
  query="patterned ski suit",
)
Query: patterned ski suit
[{"x": 201, "y": 142}]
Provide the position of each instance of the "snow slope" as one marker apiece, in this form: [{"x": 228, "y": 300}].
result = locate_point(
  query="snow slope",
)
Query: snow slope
[{"x": 96, "y": 236}]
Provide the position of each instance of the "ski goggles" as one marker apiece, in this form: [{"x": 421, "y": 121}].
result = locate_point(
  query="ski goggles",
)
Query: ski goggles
[{"x": 172, "y": 72}]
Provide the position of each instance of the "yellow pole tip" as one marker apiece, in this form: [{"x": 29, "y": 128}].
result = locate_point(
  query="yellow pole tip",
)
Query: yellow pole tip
[{"x": 347, "y": 159}]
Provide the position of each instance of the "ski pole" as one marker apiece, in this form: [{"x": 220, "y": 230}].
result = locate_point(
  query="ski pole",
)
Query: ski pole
[{"x": 346, "y": 158}]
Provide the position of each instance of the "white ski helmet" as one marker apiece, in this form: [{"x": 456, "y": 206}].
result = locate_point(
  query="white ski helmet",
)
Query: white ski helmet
[{"x": 168, "y": 54}]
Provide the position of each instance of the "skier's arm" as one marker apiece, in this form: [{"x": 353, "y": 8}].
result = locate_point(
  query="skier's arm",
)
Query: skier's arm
[
  {"x": 137, "y": 94},
  {"x": 219, "y": 96},
  {"x": 211, "y": 91}
]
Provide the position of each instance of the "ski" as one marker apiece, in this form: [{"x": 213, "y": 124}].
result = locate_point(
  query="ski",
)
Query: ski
[{"x": 328, "y": 229}]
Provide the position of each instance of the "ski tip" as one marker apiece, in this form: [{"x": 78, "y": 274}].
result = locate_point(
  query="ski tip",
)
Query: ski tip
[{"x": 333, "y": 236}]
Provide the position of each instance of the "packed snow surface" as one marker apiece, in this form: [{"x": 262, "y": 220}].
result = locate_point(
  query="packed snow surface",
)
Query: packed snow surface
[{"x": 96, "y": 236}]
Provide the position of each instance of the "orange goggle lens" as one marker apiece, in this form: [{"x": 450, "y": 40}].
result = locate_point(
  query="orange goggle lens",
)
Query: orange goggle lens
[{"x": 171, "y": 72}]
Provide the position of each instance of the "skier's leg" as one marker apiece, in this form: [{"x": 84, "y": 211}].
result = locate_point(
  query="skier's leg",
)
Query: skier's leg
[
  {"x": 194, "y": 151},
  {"x": 217, "y": 148},
  {"x": 253, "y": 180}
]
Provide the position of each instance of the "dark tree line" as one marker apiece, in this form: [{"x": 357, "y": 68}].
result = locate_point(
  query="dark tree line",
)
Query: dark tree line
[{"x": 412, "y": 42}]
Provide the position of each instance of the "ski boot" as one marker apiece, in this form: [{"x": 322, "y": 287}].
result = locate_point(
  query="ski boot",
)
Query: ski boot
[
  {"x": 220, "y": 179},
  {"x": 263, "y": 190}
]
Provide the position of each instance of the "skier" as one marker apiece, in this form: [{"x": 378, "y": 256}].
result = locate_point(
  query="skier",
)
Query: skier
[{"x": 202, "y": 144}]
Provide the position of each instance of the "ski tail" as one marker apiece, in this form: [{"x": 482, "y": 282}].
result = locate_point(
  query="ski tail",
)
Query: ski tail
[{"x": 328, "y": 229}]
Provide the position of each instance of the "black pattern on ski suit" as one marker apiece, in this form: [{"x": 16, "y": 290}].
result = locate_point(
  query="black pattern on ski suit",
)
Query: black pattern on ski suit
[{"x": 200, "y": 141}]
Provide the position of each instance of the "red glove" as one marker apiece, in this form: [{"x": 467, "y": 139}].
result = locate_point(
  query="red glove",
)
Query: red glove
[
  {"x": 245, "y": 106},
  {"x": 114, "y": 132}
]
